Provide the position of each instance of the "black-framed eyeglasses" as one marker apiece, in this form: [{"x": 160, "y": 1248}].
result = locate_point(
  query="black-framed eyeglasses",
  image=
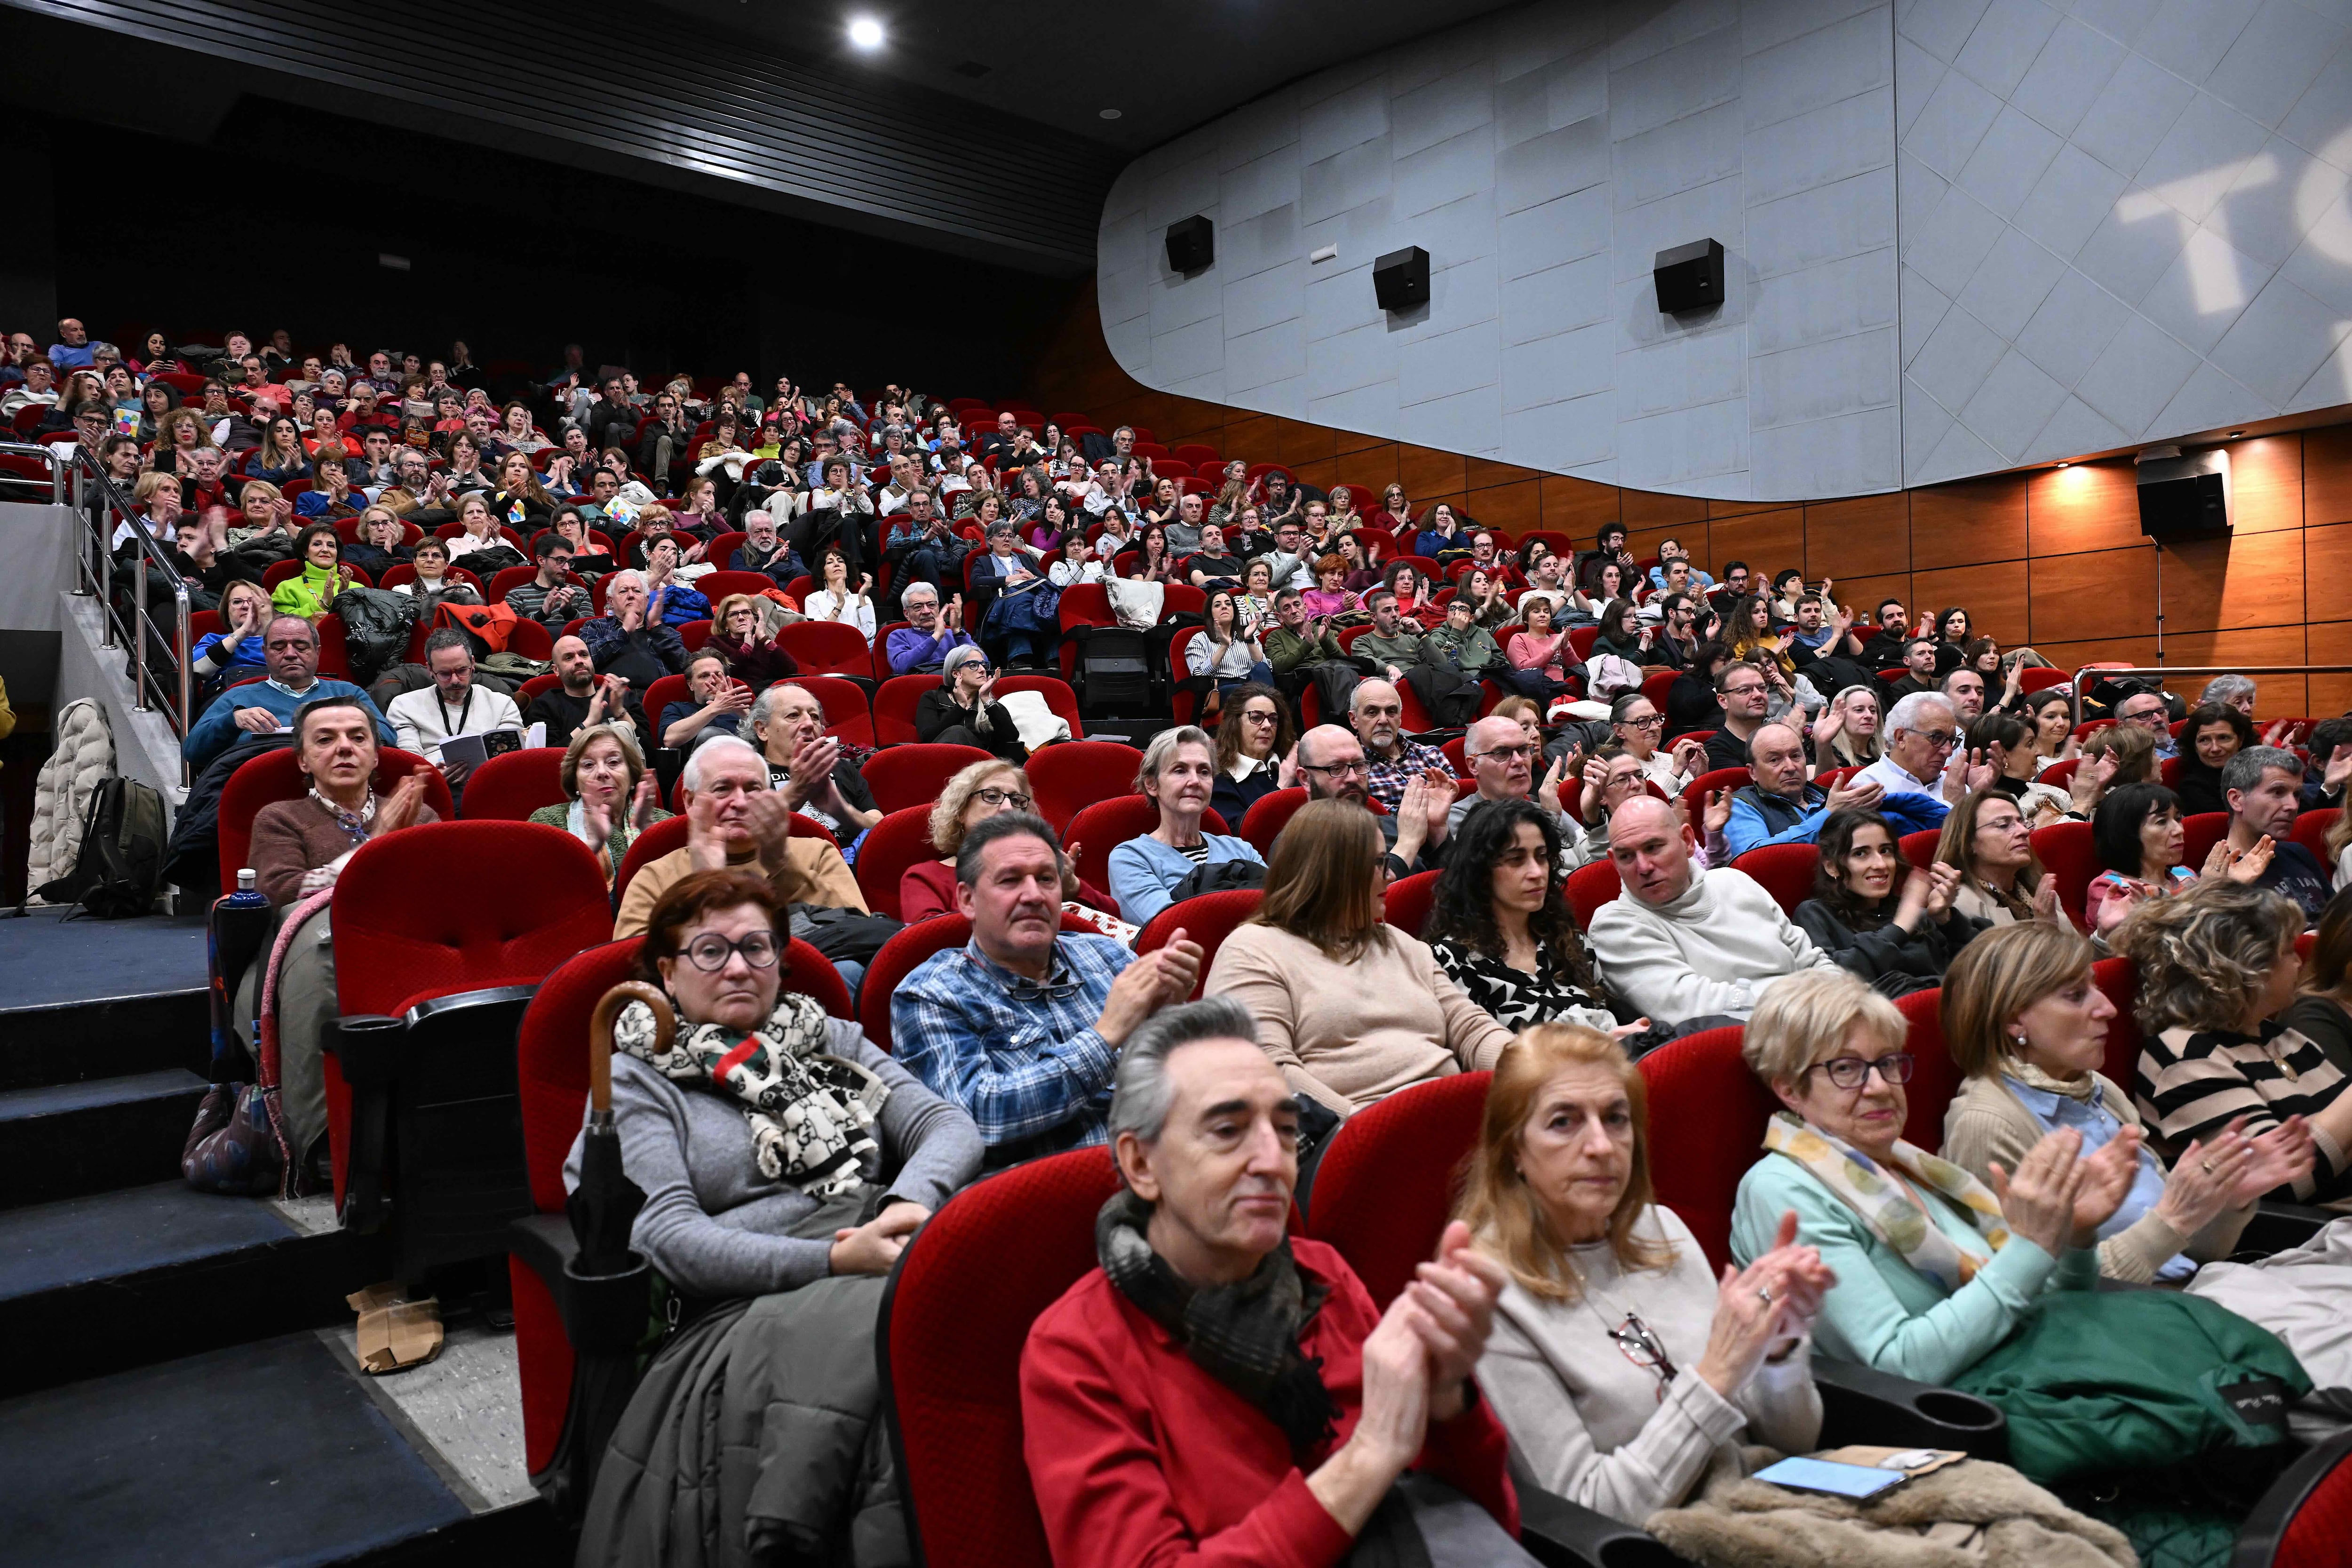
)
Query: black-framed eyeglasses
[
  {"x": 1853, "y": 1072},
  {"x": 1338, "y": 770},
  {"x": 709, "y": 951},
  {"x": 1939, "y": 738},
  {"x": 1253, "y": 716},
  {"x": 1508, "y": 753},
  {"x": 1643, "y": 1347},
  {"x": 1654, "y": 721},
  {"x": 994, "y": 796},
  {"x": 1744, "y": 691}
]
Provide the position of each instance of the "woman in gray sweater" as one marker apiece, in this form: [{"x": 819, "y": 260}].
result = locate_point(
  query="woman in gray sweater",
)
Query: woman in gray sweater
[
  {"x": 1619, "y": 1363},
  {"x": 781, "y": 1182}
]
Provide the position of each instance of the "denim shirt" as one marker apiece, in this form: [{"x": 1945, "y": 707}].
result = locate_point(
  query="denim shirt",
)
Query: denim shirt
[{"x": 2097, "y": 1127}]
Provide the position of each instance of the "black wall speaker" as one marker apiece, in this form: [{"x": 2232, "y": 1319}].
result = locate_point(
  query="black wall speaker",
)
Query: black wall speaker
[
  {"x": 2185, "y": 497},
  {"x": 1401, "y": 278},
  {"x": 1192, "y": 244},
  {"x": 1689, "y": 277}
]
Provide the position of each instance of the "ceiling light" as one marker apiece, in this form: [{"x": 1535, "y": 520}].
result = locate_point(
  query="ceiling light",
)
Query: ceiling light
[
  {"x": 2065, "y": 465},
  {"x": 865, "y": 32},
  {"x": 2236, "y": 435},
  {"x": 1110, "y": 114}
]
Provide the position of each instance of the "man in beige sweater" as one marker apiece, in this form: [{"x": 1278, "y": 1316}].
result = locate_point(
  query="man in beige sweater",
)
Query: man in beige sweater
[{"x": 733, "y": 818}]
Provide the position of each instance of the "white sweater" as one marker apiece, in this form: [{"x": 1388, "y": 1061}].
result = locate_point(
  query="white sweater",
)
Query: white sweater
[
  {"x": 422, "y": 722},
  {"x": 1712, "y": 951}
]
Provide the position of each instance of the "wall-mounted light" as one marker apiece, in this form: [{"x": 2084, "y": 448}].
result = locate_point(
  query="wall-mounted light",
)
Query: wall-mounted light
[{"x": 865, "y": 32}]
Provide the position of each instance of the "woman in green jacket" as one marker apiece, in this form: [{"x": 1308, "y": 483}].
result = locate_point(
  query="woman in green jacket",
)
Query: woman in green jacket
[
  {"x": 308, "y": 592},
  {"x": 1934, "y": 1268}
]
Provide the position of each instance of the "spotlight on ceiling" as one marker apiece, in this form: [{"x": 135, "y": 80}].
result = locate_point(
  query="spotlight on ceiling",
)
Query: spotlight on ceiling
[
  {"x": 865, "y": 32},
  {"x": 1110, "y": 114}
]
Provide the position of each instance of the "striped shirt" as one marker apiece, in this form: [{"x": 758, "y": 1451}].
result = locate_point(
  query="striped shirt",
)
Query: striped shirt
[
  {"x": 2191, "y": 1083},
  {"x": 1020, "y": 1058}
]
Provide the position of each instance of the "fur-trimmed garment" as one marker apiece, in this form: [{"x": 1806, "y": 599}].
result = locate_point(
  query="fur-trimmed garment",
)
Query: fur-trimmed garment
[{"x": 1973, "y": 1514}]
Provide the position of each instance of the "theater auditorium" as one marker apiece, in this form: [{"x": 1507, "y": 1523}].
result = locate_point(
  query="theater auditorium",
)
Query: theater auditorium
[{"x": 1555, "y": 782}]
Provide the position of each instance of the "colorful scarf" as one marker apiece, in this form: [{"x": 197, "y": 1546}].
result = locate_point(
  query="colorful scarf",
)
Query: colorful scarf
[
  {"x": 811, "y": 1113},
  {"x": 1891, "y": 1216}
]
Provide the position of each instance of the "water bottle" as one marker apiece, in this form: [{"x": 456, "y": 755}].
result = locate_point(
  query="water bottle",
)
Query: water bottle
[{"x": 240, "y": 924}]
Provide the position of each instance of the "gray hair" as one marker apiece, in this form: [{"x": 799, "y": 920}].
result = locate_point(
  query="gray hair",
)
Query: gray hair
[
  {"x": 1004, "y": 825},
  {"x": 2227, "y": 689},
  {"x": 1140, "y": 1097},
  {"x": 2245, "y": 769},
  {"x": 919, "y": 591},
  {"x": 447, "y": 636},
  {"x": 1906, "y": 714},
  {"x": 1162, "y": 750},
  {"x": 717, "y": 746},
  {"x": 957, "y": 657},
  {"x": 763, "y": 707},
  {"x": 628, "y": 574}
]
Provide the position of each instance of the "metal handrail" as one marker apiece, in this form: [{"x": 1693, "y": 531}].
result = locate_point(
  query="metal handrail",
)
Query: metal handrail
[
  {"x": 98, "y": 507},
  {"x": 2161, "y": 671}
]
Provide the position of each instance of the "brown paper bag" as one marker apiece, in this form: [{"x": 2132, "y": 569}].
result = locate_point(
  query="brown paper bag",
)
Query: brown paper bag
[{"x": 395, "y": 1334}]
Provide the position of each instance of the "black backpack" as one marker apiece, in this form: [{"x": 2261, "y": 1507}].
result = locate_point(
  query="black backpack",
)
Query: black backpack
[
  {"x": 1224, "y": 877},
  {"x": 121, "y": 860}
]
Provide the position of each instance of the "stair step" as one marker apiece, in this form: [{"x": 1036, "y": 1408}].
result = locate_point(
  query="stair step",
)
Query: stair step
[
  {"x": 64, "y": 1139},
  {"x": 94, "y": 1283},
  {"x": 94, "y": 998}
]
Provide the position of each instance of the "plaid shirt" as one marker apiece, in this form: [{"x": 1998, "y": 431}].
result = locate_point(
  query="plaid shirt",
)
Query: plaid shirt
[
  {"x": 1020, "y": 1059},
  {"x": 1412, "y": 760}
]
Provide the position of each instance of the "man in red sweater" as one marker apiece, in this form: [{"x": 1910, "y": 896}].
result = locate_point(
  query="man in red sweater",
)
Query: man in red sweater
[{"x": 1219, "y": 1392}]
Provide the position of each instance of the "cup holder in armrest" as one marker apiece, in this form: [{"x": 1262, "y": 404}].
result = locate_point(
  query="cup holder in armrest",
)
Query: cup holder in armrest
[
  {"x": 1559, "y": 1534},
  {"x": 1863, "y": 1405}
]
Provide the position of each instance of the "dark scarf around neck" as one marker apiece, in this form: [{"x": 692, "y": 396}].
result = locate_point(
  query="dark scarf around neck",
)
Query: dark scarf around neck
[{"x": 1244, "y": 1334}]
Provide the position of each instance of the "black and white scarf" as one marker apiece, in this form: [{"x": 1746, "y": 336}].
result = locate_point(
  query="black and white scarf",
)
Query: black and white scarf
[
  {"x": 1245, "y": 1334},
  {"x": 811, "y": 1113}
]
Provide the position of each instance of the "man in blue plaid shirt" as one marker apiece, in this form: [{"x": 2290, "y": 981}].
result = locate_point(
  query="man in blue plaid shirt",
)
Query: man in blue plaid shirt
[{"x": 1022, "y": 1026}]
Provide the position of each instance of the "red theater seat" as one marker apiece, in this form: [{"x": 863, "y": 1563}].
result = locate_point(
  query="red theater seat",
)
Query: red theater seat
[
  {"x": 1099, "y": 828},
  {"x": 510, "y": 788},
  {"x": 1707, "y": 1126},
  {"x": 1408, "y": 900},
  {"x": 1069, "y": 777},
  {"x": 1382, "y": 1220},
  {"x": 275, "y": 775},
  {"x": 908, "y": 775},
  {"x": 1784, "y": 870},
  {"x": 1207, "y": 920},
  {"x": 900, "y": 840}
]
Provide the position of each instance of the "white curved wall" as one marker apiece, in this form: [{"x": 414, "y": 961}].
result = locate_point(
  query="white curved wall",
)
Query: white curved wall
[{"x": 1962, "y": 235}]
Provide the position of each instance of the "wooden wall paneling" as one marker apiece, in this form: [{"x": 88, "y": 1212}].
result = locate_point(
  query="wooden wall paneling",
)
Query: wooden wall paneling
[
  {"x": 1302, "y": 443},
  {"x": 2324, "y": 642},
  {"x": 1580, "y": 507},
  {"x": 1646, "y": 508},
  {"x": 1251, "y": 437},
  {"x": 2068, "y": 655},
  {"x": 1485, "y": 475},
  {"x": 1863, "y": 595},
  {"x": 1866, "y": 536},
  {"x": 1370, "y": 470},
  {"x": 1348, "y": 441},
  {"x": 2266, "y": 483},
  {"x": 1517, "y": 508},
  {"x": 2326, "y": 569},
  {"x": 1322, "y": 474},
  {"x": 1425, "y": 471},
  {"x": 2087, "y": 506},
  {"x": 1994, "y": 595},
  {"x": 1770, "y": 541},
  {"x": 1738, "y": 508},
  {"x": 2327, "y": 476},
  {"x": 1645, "y": 541},
  {"x": 2279, "y": 695},
  {"x": 1962, "y": 525},
  {"x": 2246, "y": 580},
  {"x": 2098, "y": 594}
]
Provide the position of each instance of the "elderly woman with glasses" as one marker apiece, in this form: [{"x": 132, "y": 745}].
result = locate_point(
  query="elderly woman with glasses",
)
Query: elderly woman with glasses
[
  {"x": 978, "y": 793},
  {"x": 785, "y": 1162},
  {"x": 1176, "y": 776},
  {"x": 962, "y": 709},
  {"x": 1934, "y": 1268},
  {"x": 613, "y": 796}
]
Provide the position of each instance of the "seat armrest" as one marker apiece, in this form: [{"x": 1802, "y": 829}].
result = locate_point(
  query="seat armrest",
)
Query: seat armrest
[
  {"x": 1559, "y": 1534},
  {"x": 1863, "y": 1405},
  {"x": 2279, "y": 1228},
  {"x": 602, "y": 1314},
  {"x": 367, "y": 1045}
]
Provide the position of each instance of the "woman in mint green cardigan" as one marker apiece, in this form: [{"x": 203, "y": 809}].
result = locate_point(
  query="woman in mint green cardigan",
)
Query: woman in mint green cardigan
[{"x": 1933, "y": 1270}]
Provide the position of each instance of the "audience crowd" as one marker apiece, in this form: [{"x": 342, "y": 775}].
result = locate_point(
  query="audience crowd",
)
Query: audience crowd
[{"x": 1454, "y": 804}]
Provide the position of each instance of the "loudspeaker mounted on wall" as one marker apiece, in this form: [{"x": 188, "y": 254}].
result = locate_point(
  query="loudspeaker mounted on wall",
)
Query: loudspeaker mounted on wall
[
  {"x": 2184, "y": 497},
  {"x": 1401, "y": 278},
  {"x": 1192, "y": 244},
  {"x": 1689, "y": 277}
]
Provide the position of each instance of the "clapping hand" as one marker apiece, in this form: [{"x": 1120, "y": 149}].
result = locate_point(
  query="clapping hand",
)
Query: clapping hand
[
  {"x": 1450, "y": 1306},
  {"x": 2248, "y": 865},
  {"x": 2281, "y": 1157},
  {"x": 399, "y": 809},
  {"x": 1763, "y": 1308},
  {"x": 2039, "y": 1201},
  {"x": 2108, "y": 1176},
  {"x": 646, "y": 801}
]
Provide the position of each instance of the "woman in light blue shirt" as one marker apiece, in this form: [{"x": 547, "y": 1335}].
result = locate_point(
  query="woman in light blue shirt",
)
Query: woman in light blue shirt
[{"x": 1180, "y": 769}]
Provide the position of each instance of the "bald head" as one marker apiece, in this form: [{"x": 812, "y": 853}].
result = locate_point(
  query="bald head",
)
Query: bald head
[
  {"x": 1776, "y": 761},
  {"x": 1650, "y": 846},
  {"x": 1331, "y": 764},
  {"x": 1378, "y": 713},
  {"x": 1501, "y": 758}
]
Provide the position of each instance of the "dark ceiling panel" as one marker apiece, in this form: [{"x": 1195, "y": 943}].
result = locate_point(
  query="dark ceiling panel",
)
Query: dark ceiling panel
[{"x": 617, "y": 85}]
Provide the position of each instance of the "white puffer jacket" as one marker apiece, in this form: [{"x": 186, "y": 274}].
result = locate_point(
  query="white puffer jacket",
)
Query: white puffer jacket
[{"x": 84, "y": 756}]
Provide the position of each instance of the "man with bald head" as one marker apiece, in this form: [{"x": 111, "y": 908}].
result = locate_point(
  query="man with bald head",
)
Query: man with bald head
[
  {"x": 1781, "y": 807},
  {"x": 1690, "y": 945},
  {"x": 1332, "y": 764}
]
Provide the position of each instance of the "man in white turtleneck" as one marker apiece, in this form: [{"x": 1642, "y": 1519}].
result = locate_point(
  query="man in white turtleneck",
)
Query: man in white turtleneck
[{"x": 1689, "y": 946}]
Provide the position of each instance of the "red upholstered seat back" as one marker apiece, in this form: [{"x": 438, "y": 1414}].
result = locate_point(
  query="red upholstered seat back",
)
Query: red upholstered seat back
[
  {"x": 827, "y": 647},
  {"x": 1933, "y": 1077},
  {"x": 1707, "y": 1126},
  {"x": 654, "y": 842},
  {"x": 1388, "y": 1184},
  {"x": 2067, "y": 854},
  {"x": 2202, "y": 831},
  {"x": 1784, "y": 870},
  {"x": 1207, "y": 920},
  {"x": 1920, "y": 847},
  {"x": 2311, "y": 830},
  {"x": 901, "y": 776},
  {"x": 1408, "y": 901},
  {"x": 848, "y": 715},
  {"x": 276, "y": 775},
  {"x": 2119, "y": 978},
  {"x": 405, "y": 931},
  {"x": 2316, "y": 1531},
  {"x": 1268, "y": 816},
  {"x": 510, "y": 788},
  {"x": 958, "y": 1312},
  {"x": 899, "y": 957},
  {"x": 901, "y": 840},
  {"x": 1068, "y": 778},
  {"x": 894, "y": 707},
  {"x": 1700, "y": 788},
  {"x": 1589, "y": 887}
]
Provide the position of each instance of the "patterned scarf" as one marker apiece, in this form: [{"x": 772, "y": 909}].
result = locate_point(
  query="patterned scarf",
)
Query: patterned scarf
[
  {"x": 1245, "y": 1334},
  {"x": 1892, "y": 1217},
  {"x": 811, "y": 1114}
]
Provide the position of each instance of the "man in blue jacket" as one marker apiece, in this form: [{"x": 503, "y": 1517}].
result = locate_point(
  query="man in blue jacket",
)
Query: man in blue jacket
[
  {"x": 1781, "y": 807},
  {"x": 291, "y": 649}
]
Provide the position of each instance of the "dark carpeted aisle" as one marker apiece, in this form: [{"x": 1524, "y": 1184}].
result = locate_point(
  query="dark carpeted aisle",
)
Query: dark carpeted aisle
[{"x": 50, "y": 961}]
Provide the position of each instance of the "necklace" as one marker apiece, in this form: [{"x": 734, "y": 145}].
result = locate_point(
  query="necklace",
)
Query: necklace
[{"x": 355, "y": 823}]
